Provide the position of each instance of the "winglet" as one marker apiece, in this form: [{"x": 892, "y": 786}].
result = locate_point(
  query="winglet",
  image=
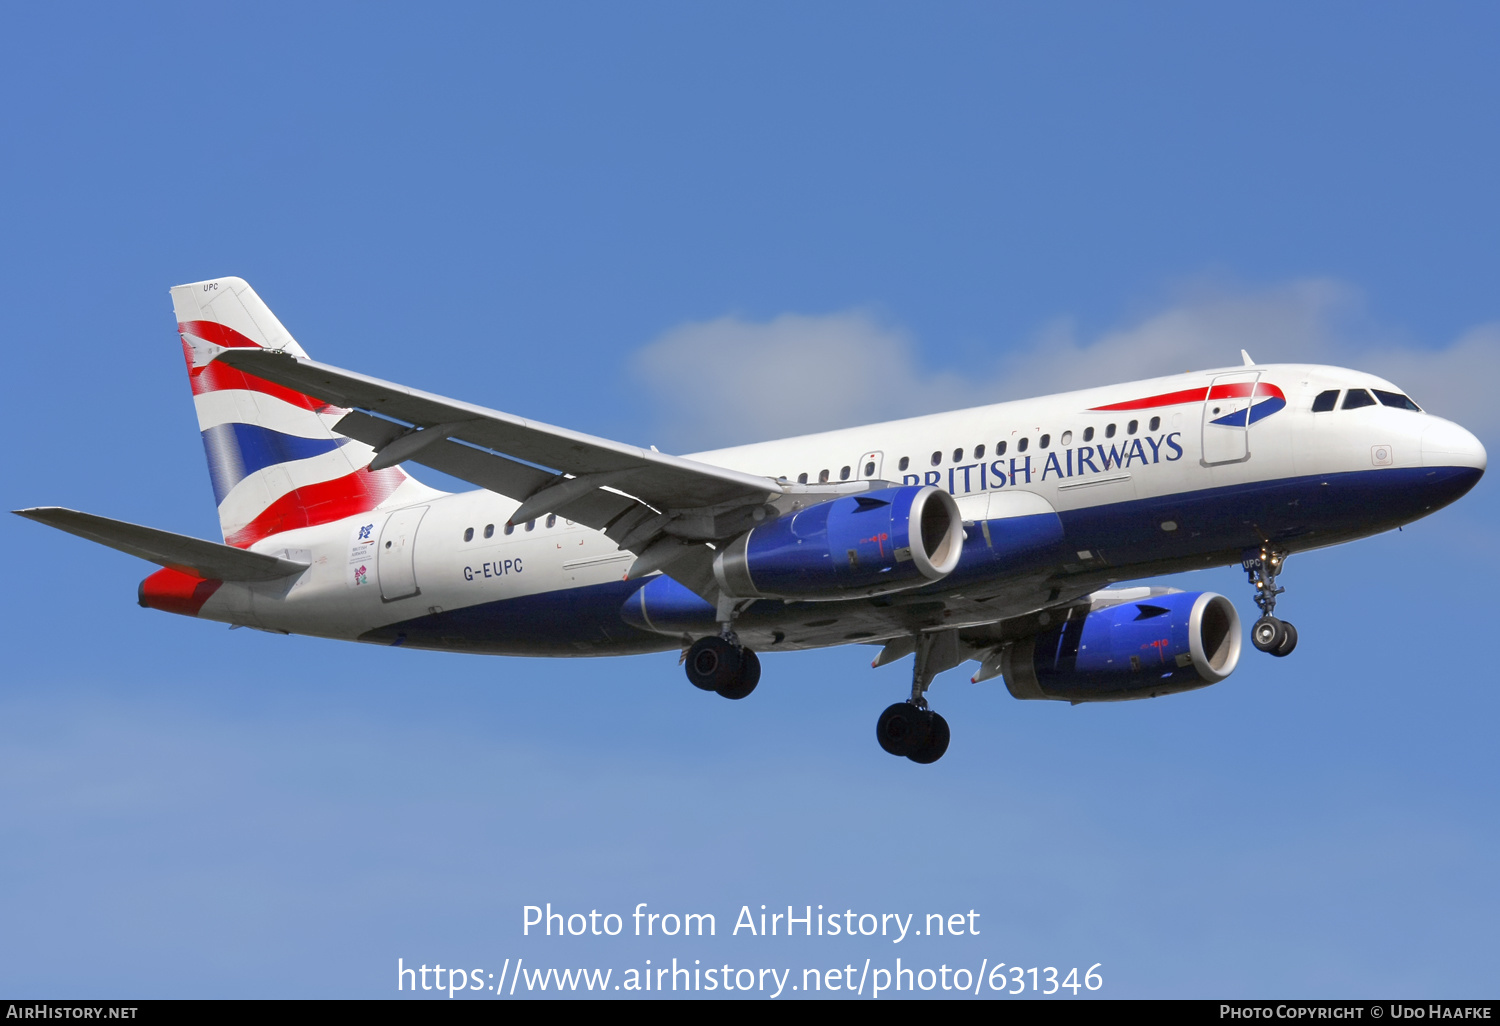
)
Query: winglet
[{"x": 1246, "y": 357}]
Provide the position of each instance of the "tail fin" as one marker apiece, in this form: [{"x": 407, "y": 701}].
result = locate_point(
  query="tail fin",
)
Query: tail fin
[{"x": 275, "y": 462}]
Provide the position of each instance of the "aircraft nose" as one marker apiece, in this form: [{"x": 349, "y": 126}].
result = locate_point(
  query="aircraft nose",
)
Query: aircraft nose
[{"x": 1445, "y": 444}]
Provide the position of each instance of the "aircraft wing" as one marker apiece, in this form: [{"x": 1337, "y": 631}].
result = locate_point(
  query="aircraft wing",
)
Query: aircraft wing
[
  {"x": 206, "y": 559},
  {"x": 659, "y": 506}
]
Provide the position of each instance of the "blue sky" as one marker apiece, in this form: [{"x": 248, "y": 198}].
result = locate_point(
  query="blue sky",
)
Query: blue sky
[{"x": 589, "y": 214}]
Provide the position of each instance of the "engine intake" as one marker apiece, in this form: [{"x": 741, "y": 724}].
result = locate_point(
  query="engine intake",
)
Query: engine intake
[
  {"x": 867, "y": 544},
  {"x": 1139, "y": 649}
]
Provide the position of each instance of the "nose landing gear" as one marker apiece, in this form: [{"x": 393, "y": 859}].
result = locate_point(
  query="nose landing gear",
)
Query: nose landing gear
[{"x": 1268, "y": 633}]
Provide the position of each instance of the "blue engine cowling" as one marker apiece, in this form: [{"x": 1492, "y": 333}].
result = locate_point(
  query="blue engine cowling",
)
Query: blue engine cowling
[
  {"x": 1154, "y": 646},
  {"x": 871, "y": 543}
]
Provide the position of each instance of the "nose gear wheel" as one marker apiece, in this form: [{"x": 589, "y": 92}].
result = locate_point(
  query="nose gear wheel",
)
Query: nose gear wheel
[{"x": 1268, "y": 633}]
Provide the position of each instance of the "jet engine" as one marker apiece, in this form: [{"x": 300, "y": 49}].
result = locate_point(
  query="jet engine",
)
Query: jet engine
[
  {"x": 867, "y": 544},
  {"x": 1136, "y": 649}
]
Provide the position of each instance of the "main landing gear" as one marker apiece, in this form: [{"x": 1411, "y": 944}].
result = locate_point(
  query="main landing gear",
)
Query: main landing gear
[
  {"x": 909, "y": 728},
  {"x": 1268, "y": 633},
  {"x": 723, "y": 665}
]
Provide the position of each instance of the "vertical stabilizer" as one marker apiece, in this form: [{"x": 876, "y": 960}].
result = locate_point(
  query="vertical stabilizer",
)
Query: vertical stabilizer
[{"x": 275, "y": 462}]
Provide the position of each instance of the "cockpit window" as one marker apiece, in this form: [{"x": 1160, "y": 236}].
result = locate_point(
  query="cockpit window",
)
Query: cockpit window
[
  {"x": 1326, "y": 401},
  {"x": 1356, "y": 398},
  {"x": 1397, "y": 400}
]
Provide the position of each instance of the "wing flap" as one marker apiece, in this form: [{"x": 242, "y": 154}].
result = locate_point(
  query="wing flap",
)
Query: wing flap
[{"x": 206, "y": 559}]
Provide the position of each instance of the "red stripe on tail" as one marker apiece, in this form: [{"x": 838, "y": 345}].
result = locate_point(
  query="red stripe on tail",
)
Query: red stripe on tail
[
  {"x": 218, "y": 334},
  {"x": 321, "y": 503},
  {"x": 212, "y": 377}
]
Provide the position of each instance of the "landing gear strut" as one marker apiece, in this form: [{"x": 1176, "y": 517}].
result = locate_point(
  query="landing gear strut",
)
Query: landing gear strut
[
  {"x": 910, "y": 728},
  {"x": 1268, "y": 633},
  {"x": 723, "y": 665}
]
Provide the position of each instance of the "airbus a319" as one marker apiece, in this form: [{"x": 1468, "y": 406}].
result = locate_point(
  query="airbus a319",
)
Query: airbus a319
[{"x": 996, "y": 534}]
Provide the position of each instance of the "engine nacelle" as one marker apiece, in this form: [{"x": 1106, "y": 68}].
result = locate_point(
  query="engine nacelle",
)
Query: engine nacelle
[
  {"x": 867, "y": 544},
  {"x": 1138, "y": 649}
]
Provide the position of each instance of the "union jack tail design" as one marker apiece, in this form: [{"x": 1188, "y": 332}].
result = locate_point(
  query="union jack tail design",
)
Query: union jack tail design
[{"x": 274, "y": 459}]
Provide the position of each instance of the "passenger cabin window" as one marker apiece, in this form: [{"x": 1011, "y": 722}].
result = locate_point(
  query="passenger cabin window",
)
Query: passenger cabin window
[
  {"x": 1109, "y": 431},
  {"x": 531, "y": 525},
  {"x": 551, "y": 519},
  {"x": 958, "y": 455},
  {"x": 1067, "y": 438},
  {"x": 999, "y": 448},
  {"x": 822, "y": 477},
  {"x": 905, "y": 462},
  {"x": 1396, "y": 400},
  {"x": 489, "y": 530},
  {"x": 979, "y": 451},
  {"x": 1021, "y": 445},
  {"x": 1326, "y": 401},
  {"x": 843, "y": 473},
  {"x": 937, "y": 458},
  {"x": 1088, "y": 434},
  {"x": 510, "y": 528},
  {"x": 1130, "y": 428},
  {"x": 1356, "y": 398},
  {"x": 468, "y": 534},
  {"x": 870, "y": 469},
  {"x": 1155, "y": 423},
  {"x": 802, "y": 479},
  {"x": 1044, "y": 441}
]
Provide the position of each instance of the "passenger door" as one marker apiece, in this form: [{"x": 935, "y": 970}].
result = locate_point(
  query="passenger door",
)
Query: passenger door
[
  {"x": 1226, "y": 418},
  {"x": 870, "y": 466}
]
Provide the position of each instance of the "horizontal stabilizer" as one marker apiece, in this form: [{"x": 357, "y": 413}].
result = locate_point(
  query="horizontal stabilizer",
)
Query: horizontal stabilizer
[{"x": 206, "y": 559}]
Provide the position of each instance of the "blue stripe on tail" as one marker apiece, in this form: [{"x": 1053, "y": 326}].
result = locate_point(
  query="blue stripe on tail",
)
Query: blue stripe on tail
[{"x": 235, "y": 451}]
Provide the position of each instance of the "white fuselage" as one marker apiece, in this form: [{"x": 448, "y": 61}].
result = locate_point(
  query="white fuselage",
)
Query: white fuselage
[{"x": 455, "y": 554}]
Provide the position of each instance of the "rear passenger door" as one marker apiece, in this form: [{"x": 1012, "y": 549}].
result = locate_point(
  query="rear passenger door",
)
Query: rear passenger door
[{"x": 397, "y": 554}]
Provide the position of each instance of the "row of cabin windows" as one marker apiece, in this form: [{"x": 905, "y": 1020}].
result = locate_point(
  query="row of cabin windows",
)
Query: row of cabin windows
[
  {"x": 489, "y": 529},
  {"x": 978, "y": 451},
  {"x": 1043, "y": 442},
  {"x": 1357, "y": 397},
  {"x": 843, "y": 474}
]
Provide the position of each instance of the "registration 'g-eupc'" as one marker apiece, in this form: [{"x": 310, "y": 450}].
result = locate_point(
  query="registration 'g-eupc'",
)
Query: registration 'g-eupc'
[{"x": 988, "y": 534}]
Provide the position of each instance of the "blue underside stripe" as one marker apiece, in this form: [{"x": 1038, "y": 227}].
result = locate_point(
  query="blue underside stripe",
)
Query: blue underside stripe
[{"x": 235, "y": 451}]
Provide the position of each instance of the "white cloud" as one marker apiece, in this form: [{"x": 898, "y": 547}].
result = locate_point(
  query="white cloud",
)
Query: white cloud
[{"x": 732, "y": 380}]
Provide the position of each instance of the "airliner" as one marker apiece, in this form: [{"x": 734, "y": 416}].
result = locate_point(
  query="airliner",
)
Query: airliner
[{"x": 1004, "y": 535}]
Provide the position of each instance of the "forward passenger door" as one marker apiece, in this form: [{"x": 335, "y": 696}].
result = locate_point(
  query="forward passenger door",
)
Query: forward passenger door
[{"x": 1226, "y": 418}]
